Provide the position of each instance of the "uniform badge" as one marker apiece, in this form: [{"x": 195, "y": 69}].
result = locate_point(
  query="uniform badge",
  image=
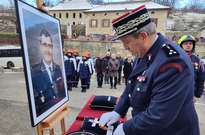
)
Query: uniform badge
[
  {"x": 59, "y": 78},
  {"x": 196, "y": 65},
  {"x": 42, "y": 97},
  {"x": 169, "y": 50},
  {"x": 142, "y": 78}
]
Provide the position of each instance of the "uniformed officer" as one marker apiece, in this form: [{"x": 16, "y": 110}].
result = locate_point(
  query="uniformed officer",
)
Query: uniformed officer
[
  {"x": 77, "y": 59},
  {"x": 92, "y": 67},
  {"x": 85, "y": 71},
  {"x": 161, "y": 86},
  {"x": 47, "y": 77},
  {"x": 70, "y": 68},
  {"x": 187, "y": 42}
]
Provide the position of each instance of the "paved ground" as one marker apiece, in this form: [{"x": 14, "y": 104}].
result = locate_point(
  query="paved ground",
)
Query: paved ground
[{"x": 14, "y": 113}]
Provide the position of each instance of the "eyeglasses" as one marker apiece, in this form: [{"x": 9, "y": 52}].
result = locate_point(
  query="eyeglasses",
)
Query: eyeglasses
[{"x": 47, "y": 45}]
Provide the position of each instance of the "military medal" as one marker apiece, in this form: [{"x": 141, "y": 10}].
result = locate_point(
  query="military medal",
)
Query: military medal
[
  {"x": 196, "y": 65},
  {"x": 142, "y": 78},
  {"x": 42, "y": 97}
]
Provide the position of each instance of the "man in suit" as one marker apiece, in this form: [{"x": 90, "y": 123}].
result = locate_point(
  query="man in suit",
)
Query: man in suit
[
  {"x": 160, "y": 88},
  {"x": 47, "y": 77}
]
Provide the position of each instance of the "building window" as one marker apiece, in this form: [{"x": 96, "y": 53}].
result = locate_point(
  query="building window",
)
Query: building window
[
  {"x": 155, "y": 20},
  {"x": 59, "y": 15},
  {"x": 73, "y": 23},
  {"x": 54, "y": 14},
  {"x": 67, "y": 15},
  {"x": 80, "y": 15},
  {"x": 93, "y": 14},
  {"x": 105, "y": 23},
  {"x": 93, "y": 23},
  {"x": 73, "y": 15}
]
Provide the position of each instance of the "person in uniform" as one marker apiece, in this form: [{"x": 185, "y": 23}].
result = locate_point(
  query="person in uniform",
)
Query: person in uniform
[
  {"x": 90, "y": 60},
  {"x": 76, "y": 75},
  {"x": 85, "y": 71},
  {"x": 160, "y": 88},
  {"x": 70, "y": 68},
  {"x": 47, "y": 77},
  {"x": 187, "y": 42}
]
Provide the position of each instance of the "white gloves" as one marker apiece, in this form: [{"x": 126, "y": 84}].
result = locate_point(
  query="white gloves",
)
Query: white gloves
[
  {"x": 119, "y": 130},
  {"x": 109, "y": 118}
]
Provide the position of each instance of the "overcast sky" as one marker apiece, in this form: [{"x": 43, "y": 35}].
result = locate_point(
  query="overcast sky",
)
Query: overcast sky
[{"x": 179, "y": 4}]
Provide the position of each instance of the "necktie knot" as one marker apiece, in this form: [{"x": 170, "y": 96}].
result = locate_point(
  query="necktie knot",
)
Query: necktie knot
[{"x": 50, "y": 69}]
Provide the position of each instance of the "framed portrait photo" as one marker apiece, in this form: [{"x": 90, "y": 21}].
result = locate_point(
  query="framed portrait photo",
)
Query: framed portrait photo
[{"x": 43, "y": 61}]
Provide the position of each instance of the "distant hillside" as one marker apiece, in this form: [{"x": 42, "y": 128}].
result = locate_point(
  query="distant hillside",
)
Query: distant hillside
[{"x": 185, "y": 21}]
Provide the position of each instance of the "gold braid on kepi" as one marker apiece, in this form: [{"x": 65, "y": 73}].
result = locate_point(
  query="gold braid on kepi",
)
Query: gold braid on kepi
[{"x": 131, "y": 21}]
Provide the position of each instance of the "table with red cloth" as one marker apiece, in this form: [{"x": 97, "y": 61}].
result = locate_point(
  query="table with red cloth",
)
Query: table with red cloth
[{"x": 86, "y": 112}]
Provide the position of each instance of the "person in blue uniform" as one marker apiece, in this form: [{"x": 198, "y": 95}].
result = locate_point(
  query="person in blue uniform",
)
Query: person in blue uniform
[
  {"x": 160, "y": 88},
  {"x": 90, "y": 60},
  {"x": 70, "y": 68},
  {"x": 77, "y": 59},
  {"x": 85, "y": 71},
  {"x": 47, "y": 77},
  {"x": 187, "y": 42}
]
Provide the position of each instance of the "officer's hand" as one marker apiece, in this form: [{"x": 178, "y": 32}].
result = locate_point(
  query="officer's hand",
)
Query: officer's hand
[
  {"x": 119, "y": 130},
  {"x": 108, "y": 118}
]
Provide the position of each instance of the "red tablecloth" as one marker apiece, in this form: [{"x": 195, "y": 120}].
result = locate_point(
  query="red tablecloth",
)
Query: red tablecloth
[
  {"x": 87, "y": 112},
  {"x": 75, "y": 126}
]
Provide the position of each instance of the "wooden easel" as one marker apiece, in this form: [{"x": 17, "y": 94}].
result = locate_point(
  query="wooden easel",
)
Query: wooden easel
[{"x": 53, "y": 119}]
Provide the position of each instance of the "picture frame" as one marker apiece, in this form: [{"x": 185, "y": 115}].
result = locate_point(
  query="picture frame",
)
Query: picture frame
[{"x": 43, "y": 61}]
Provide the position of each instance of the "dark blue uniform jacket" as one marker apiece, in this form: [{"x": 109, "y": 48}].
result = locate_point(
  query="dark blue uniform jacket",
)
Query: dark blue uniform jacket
[
  {"x": 47, "y": 93},
  {"x": 199, "y": 75},
  {"x": 69, "y": 66},
  {"x": 160, "y": 91},
  {"x": 85, "y": 69}
]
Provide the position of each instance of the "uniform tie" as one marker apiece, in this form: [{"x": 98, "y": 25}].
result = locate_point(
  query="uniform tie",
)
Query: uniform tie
[
  {"x": 52, "y": 81},
  {"x": 51, "y": 71}
]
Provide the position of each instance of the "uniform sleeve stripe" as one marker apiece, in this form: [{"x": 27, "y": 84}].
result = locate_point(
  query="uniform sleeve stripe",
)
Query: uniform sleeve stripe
[{"x": 171, "y": 65}]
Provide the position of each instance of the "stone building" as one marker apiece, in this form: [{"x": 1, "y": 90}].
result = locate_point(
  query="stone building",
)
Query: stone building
[{"x": 97, "y": 19}]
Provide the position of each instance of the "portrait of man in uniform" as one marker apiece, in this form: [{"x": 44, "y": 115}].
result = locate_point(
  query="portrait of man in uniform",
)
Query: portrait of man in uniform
[
  {"x": 47, "y": 76},
  {"x": 43, "y": 61}
]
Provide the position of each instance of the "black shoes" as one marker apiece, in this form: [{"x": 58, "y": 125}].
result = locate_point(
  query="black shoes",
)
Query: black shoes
[{"x": 83, "y": 90}]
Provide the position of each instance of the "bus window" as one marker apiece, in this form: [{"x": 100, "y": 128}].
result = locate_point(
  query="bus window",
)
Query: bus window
[{"x": 10, "y": 56}]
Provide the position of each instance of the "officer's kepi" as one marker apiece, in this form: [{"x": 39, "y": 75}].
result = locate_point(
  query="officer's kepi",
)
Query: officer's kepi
[{"x": 131, "y": 21}]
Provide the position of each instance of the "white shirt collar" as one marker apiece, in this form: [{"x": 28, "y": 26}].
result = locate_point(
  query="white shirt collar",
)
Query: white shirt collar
[{"x": 47, "y": 66}]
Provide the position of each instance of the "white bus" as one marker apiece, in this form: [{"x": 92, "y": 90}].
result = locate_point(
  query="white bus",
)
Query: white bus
[{"x": 10, "y": 56}]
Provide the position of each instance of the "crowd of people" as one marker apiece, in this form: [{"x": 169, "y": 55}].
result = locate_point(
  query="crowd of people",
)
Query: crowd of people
[{"x": 110, "y": 69}]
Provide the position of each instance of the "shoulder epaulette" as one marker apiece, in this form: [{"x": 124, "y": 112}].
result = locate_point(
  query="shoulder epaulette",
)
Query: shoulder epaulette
[{"x": 169, "y": 50}]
